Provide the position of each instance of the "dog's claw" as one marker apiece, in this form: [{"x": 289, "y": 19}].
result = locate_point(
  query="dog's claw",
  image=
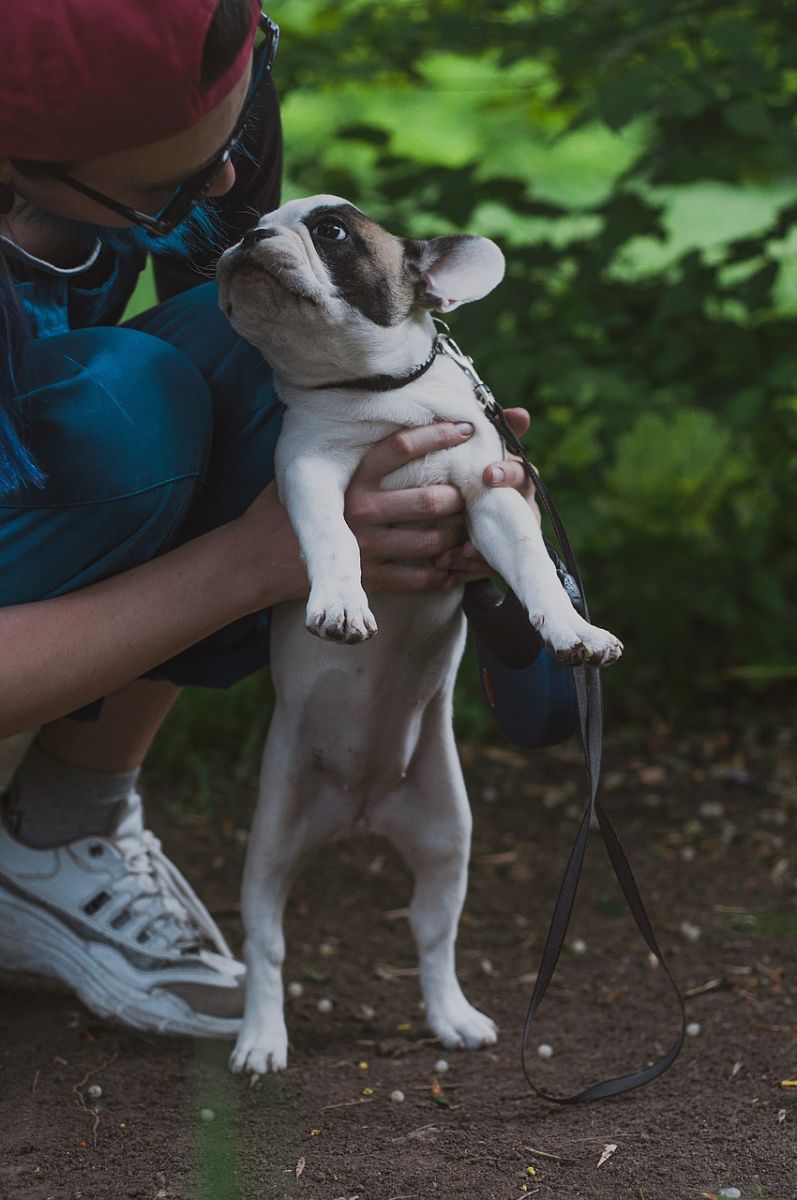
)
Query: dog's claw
[
  {"x": 348, "y": 620},
  {"x": 258, "y": 1055},
  {"x": 584, "y": 645},
  {"x": 463, "y": 1027}
]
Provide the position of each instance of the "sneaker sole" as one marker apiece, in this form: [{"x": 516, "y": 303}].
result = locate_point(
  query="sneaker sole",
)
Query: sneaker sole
[{"x": 31, "y": 941}]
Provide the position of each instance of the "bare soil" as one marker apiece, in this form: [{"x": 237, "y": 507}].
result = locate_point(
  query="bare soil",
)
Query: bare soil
[{"x": 706, "y": 822}]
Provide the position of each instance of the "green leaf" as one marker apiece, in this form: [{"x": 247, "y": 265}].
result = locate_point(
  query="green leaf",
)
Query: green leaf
[{"x": 748, "y": 118}]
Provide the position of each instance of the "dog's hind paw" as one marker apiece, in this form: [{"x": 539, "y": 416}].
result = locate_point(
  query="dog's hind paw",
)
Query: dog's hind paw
[
  {"x": 257, "y": 1053},
  {"x": 340, "y": 619},
  {"x": 462, "y": 1027}
]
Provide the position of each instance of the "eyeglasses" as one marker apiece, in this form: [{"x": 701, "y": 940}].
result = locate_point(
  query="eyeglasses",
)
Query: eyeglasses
[{"x": 192, "y": 189}]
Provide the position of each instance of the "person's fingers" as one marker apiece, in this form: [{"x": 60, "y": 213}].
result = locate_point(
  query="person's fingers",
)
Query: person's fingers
[
  {"x": 407, "y": 504},
  {"x": 402, "y": 577},
  {"x": 463, "y": 558},
  {"x": 519, "y": 420},
  {"x": 406, "y": 444},
  {"x": 421, "y": 542},
  {"x": 509, "y": 473}
]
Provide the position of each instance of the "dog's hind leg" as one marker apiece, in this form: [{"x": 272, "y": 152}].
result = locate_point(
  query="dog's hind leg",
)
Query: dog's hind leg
[
  {"x": 294, "y": 813},
  {"x": 428, "y": 819}
]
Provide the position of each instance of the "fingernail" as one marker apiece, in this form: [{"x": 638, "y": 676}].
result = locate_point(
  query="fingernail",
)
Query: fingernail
[
  {"x": 464, "y": 428},
  {"x": 496, "y": 474}
]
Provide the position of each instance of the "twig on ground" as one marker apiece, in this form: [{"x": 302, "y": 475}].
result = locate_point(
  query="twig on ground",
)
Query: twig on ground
[
  {"x": 95, "y": 1116},
  {"x": 349, "y": 1103},
  {"x": 543, "y": 1154},
  {"x": 422, "y": 1132}
]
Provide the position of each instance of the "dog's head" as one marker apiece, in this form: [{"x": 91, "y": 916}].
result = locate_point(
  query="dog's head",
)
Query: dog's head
[{"x": 319, "y": 281}]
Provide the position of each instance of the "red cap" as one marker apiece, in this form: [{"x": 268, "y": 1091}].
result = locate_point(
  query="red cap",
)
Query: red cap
[{"x": 84, "y": 78}]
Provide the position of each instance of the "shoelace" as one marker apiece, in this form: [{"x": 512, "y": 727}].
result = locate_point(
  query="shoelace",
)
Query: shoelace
[{"x": 157, "y": 877}]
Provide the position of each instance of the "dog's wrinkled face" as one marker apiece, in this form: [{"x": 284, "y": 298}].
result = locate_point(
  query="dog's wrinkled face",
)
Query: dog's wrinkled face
[{"x": 319, "y": 266}]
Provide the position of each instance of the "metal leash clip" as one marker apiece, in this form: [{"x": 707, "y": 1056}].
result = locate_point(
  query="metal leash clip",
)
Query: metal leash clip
[{"x": 446, "y": 345}]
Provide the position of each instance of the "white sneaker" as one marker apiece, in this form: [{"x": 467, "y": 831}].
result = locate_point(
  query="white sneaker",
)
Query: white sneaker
[{"x": 115, "y": 920}]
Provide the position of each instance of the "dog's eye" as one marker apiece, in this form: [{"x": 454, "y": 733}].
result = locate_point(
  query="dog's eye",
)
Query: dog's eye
[{"x": 331, "y": 231}]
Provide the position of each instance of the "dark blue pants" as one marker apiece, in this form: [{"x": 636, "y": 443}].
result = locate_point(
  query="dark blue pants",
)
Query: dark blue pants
[{"x": 150, "y": 434}]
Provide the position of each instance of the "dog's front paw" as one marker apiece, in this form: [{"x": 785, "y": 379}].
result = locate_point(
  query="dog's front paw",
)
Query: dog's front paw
[
  {"x": 262, "y": 1046},
  {"x": 578, "y": 643},
  {"x": 340, "y": 617},
  {"x": 460, "y": 1026}
]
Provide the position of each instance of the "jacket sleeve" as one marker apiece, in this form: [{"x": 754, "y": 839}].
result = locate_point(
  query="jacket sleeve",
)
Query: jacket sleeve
[{"x": 258, "y": 176}]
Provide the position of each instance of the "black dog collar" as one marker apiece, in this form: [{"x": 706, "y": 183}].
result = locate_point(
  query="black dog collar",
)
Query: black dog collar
[{"x": 383, "y": 383}]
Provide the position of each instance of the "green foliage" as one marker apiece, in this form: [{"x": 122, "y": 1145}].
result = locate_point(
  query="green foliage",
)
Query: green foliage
[{"x": 637, "y": 161}]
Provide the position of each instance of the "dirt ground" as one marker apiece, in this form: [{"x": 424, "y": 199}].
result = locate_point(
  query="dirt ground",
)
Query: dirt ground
[{"x": 706, "y": 823}]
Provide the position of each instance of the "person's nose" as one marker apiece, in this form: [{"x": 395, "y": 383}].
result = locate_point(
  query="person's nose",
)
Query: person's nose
[{"x": 223, "y": 181}]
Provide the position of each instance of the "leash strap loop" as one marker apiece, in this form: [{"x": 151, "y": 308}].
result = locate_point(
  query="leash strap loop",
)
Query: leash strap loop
[{"x": 589, "y": 696}]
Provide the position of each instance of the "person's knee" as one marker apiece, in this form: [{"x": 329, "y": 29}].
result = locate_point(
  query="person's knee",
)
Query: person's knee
[{"x": 109, "y": 412}]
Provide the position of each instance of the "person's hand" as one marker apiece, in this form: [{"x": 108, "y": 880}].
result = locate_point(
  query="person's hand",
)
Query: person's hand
[
  {"x": 464, "y": 562},
  {"x": 391, "y": 556}
]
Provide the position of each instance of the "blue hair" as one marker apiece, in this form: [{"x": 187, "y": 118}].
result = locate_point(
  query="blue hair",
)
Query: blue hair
[
  {"x": 199, "y": 230},
  {"x": 18, "y": 468}
]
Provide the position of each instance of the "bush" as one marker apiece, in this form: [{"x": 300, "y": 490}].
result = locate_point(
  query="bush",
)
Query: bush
[{"x": 636, "y": 161}]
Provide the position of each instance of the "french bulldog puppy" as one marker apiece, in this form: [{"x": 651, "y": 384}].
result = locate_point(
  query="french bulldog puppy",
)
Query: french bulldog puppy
[{"x": 361, "y": 735}]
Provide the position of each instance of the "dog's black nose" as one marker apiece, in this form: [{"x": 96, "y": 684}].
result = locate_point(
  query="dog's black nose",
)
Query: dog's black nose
[{"x": 253, "y": 236}]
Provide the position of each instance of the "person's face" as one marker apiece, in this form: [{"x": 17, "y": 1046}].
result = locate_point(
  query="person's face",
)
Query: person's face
[{"x": 144, "y": 178}]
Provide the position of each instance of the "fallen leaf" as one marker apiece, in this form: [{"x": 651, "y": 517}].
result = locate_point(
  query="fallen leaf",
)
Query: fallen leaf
[
  {"x": 299, "y": 1167},
  {"x": 608, "y": 1151}
]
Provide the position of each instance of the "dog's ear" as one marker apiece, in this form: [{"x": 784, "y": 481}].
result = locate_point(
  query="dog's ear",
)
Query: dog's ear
[{"x": 453, "y": 270}]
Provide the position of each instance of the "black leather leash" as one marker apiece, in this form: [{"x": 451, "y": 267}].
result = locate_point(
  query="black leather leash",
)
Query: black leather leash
[{"x": 590, "y": 710}]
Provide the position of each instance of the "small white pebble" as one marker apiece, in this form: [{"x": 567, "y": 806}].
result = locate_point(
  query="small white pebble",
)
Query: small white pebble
[
  {"x": 728, "y": 833},
  {"x": 324, "y": 1005},
  {"x": 690, "y": 932},
  {"x": 731, "y": 1193},
  {"x": 544, "y": 1050},
  {"x": 688, "y": 853},
  {"x": 711, "y": 808},
  {"x": 296, "y": 990},
  {"x": 206, "y": 1114},
  {"x": 94, "y": 1091},
  {"x": 326, "y": 950},
  {"x": 441, "y": 1066},
  {"x": 365, "y": 1012},
  {"x": 397, "y": 1097},
  {"x": 578, "y": 946},
  {"x": 693, "y": 1028}
]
